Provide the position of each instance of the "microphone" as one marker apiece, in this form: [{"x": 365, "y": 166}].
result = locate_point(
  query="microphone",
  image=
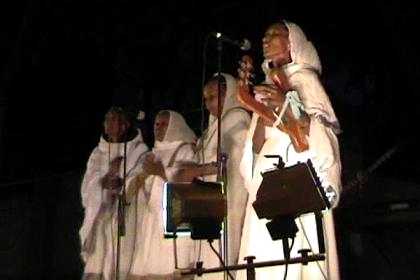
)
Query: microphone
[{"x": 243, "y": 44}]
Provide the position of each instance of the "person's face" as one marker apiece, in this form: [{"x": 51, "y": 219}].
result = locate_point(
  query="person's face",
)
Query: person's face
[
  {"x": 276, "y": 45},
  {"x": 211, "y": 97},
  {"x": 160, "y": 127},
  {"x": 115, "y": 126}
]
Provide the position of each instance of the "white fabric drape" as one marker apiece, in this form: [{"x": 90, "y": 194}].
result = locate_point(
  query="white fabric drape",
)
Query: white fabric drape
[
  {"x": 154, "y": 255},
  {"x": 302, "y": 73},
  {"x": 178, "y": 129},
  {"x": 98, "y": 234},
  {"x": 234, "y": 126}
]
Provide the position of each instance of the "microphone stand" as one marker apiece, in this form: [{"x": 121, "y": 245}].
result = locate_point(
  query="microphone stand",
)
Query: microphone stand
[
  {"x": 219, "y": 108},
  {"x": 220, "y": 160},
  {"x": 121, "y": 211}
]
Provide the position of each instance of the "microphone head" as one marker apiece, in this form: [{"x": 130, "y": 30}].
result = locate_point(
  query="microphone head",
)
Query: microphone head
[
  {"x": 246, "y": 45},
  {"x": 216, "y": 34}
]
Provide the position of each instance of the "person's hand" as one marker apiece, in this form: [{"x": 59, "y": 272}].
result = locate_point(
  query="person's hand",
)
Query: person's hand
[
  {"x": 112, "y": 186},
  {"x": 271, "y": 94},
  {"x": 209, "y": 168},
  {"x": 114, "y": 166},
  {"x": 153, "y": 166},
  {"x": 182, "y": 164},
  {"x": 112, "y": 182}
]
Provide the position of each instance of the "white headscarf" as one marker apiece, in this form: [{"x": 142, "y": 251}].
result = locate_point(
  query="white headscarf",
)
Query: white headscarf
[
  {"x": 230, "y": 98},
  {"x": 302, "y": 50},
  {"x": 178, "y": 131},
  {"x": 210, "y": 135}
]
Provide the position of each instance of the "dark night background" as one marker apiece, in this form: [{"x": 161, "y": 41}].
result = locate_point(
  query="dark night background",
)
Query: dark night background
[{"x": 63, "y": 63}]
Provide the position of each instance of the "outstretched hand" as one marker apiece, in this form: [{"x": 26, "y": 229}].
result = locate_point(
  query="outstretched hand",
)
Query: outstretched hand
[{"x": 154, "y": 166}]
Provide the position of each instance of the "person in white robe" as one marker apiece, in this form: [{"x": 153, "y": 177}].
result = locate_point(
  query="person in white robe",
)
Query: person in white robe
[
  {"x": 235, "y": 122},
  {"x": 154, "y": 256},
  {"x": 101, "y": 185},
  {"x": 286, "y": 46}
]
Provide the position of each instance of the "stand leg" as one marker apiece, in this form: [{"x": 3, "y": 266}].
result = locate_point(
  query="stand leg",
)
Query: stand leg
[
  {"x": 320, "y": 232},
  {"x": 175, "y": 251},
  {"x": 225, "y": 247},
  {"x": 286, "y": 249},
  {"x": 250, "y": 270}
]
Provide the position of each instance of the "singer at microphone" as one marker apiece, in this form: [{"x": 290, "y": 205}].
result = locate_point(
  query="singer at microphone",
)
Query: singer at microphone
[{"x": 243, "y": 44}]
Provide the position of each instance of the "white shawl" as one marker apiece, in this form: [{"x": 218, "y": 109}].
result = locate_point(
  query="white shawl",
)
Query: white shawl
[
  {"x": 97, "y": 166},
  {"x": 153, "y": 257},
  {"x": 177, "y": 133}
]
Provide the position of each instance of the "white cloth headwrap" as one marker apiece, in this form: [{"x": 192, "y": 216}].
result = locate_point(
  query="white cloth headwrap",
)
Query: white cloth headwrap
[
  {"x": 230, "y": 102},
  {"x": 230, "y": 98},
  {"x": 302, "y": 50},
  {"x": 177, "y": 131}
]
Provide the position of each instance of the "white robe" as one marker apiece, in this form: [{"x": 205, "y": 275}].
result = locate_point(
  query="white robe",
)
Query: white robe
[
  {"x": 154, "y": 255},
  {"x": 324, "y": 154},
  {"x": 98, "y": 233},
  {"x": 235, "y": 123}
]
